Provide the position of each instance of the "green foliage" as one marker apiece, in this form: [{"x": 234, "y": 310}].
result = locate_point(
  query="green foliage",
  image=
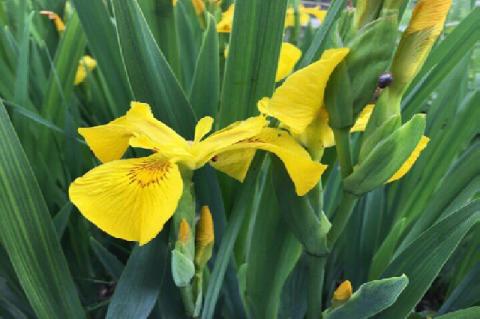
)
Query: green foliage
[{"x": 410, "y": 248}]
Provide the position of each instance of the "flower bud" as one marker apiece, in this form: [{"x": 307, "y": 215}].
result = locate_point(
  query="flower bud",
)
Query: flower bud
[
  {"x": 343, "y": 292},
  {"x": 205, "y": 238},
  {"x": 425, "y": 26}
]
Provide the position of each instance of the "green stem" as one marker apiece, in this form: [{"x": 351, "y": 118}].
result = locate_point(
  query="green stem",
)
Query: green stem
[
  {"x": 187, "y": 298},
  {"x": 316, "y": 272},
  {"x": 342, "y": 215},
  {"x": 342, "y": 142}
]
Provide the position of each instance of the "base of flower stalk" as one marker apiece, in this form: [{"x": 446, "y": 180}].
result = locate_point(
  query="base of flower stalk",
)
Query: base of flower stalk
[{"x": 316, "y": 273}]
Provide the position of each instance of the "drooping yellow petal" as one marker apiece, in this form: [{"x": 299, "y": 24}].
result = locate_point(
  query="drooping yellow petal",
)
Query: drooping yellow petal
[
  {"x": 130, "y": 199},
  {"x": 86, "y": 65},
  {"x": 57, "y": 21},
  {"x": 411, "y": 160},
  {"x": 343, "y": 292},
  {"x": 318, "y": 13},
  {"x": 234, "y": 163},
  {"x": 425, "y": 26},
  {"x": 108, "y": 142},
  {"x": 221, "y": 140},
  {"x": 298, "y": 100},
  {"x": 199, "y": 6},
  {"x": 289, "y": 56},
  {"x": 362, "y": 120},
  {"x": 304, "y": 172},
  {"x": 203, "y": 127},
  {"x": 318, "y": 135},
  {"x": 225, "y": 24}
]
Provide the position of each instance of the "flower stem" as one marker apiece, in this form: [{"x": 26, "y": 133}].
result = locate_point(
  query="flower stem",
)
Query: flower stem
[
  {"x": 316, "y": 272},
  {"x": 342, "y": 142},
  {"x": 342, "y": 215}
]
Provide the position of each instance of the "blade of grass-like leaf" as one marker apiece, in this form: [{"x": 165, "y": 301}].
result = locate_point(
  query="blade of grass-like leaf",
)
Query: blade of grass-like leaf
[
  {"x": 371, "y": 298},
  {"x": 139, "y": 284},
  {"x": 425, "y": 257},
  {"x": 29, "y": 236},
  {"x": 161, "y": 19},
  {"x": 469, "y": 313},
  {"x": 465, "y": 171},
  {"x": 272, "y": 244},
  {"x": 109, "y": 261},
  {"x": 60, "y": 83},
  {"x": 318, "y": 44},
  {"x": 252, "y": 62},
  {"x": 149, "y": 74},
  {"x": 437, "y": 158},
  {"x": 189, "y": 39},
  {"x": 466, "y": 294},
  {"x": 61, "y": 219},
  {"x": 205, "y": 89},
  {"x": 100, "y": 32},
  {"x": 247, "y": 199}
]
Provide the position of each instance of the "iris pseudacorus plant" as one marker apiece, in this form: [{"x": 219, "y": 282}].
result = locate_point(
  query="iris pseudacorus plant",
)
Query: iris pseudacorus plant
[{"x": 133, "y": 198}]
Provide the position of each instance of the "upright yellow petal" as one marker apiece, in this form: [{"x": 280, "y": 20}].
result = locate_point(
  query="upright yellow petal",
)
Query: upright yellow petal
[
  {"x": 411, "y": 160},
  {"x": 234, "y": 163},
  {"x": 304, "y": 172},
  {"x": 203, "y": 127},
  {"x": 130, "y": 199},
  {"x": 225, "y": 24},
  {"x": 362, "y": 120},
  {"x": 343, "y": 292},
  {"x": 298, "y": 100},
  {"x": 289, "y": 56},
  {"x": 221, "y": 140}
]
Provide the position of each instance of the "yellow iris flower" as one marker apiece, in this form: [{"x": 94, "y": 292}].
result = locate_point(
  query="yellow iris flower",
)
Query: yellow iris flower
[
  {"x": 133, "y": 198},
  {"x": 86, "y": 65},
  {"x": 225, "y": 24},
  {"x": 304, "y": 15},
  {"x": 57, "y": 21},
  {"x": 299, "y": 102}
]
